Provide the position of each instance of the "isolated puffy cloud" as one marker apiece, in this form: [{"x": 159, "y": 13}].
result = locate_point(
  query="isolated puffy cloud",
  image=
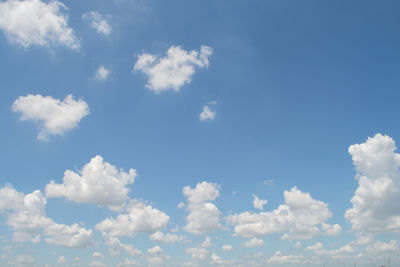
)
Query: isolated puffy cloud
[
  {"x": 298, "y": 218},
  {"x": 28, "y": 220},
  {"x": 316, "y": 246},
  {"x": 55, "y": 116},
  {"x": 98, "y": 182},
  {"x": 259, "y": 203},
  {"x": 61, "y": 260},
  {"x": 98, "y": 22},
  {"x": 33, "y": 22},
  {"x": 381, "y": 247},
  {"x": 140, "y": 218},
  {"x": 97, "y": 255},
  {"x": 254, "y": 242},
  {"x": 174, "y": 70},
  {"x": 102, "y": 73},
  {"x": 203, "y": 215},
  {"x": 208, "y": 112},
  {"x": 376, "y": 202},
  {"x": 227, "y": 248},
  {"x": 155, "y": 250},
  {"x": 166, "y": 238}
]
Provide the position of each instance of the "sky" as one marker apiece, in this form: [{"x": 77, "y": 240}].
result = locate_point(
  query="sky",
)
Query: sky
[{"x": 199, "y": 133}]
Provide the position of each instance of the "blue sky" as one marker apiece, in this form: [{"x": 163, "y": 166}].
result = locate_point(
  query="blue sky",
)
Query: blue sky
[{"x": 199, "y": 133}]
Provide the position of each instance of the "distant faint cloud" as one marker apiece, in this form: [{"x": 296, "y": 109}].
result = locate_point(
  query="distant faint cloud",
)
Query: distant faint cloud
[
  {"x": 98, "y": 22},
  {"x": 102, "y": 73},
  {"x": 208, "y": 112}
]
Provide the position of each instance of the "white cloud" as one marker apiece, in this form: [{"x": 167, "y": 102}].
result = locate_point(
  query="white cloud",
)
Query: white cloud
[
  {"x": 208, "y": 113},
  {"x": 98, "y": 22},
  {"x": 102, "y": 73},
  {"x": 166, "y": 238},
  {"x": 227, "y": 248},
  {"x": 28, "y": 220},
  {"x": 331, "y": 229},
  {"x": 98, "y": 182},
  {"x": 298, "y": 218},
  {"x": 174, "y": 70},
  {"x": 259, "y": 203},
  {"x": 140, "y": 218},
  {"x": 33, "y": 22},
  {"x": 206, "y": 243},
  {"x": 96, "y": 264},
  {"x": 376, "y": 202},
  {"x": 254, "y": 242},
  {"x": 279, "y": 258},
  {"x": 298, "y": 245},
  {"x": 381, "y": 247},
  {"x": 61, "y": 260},
  {"x": 54, "y": 116},
  {"x": 97, "y": 255},
  {"x": 316, "y": 246},
  {"x": 203, "y": 216},
  {"x": 155, "y": 250},
  {"x": 197, "y": 253},
  {"x": 115, "y": 247}
]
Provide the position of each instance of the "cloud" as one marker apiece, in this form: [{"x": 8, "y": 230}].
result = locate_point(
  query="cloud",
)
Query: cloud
[
  {"x": 197, "y": 253},
  {"x": 316, "y": 246},
  {"x": 298, "y": 218},
  {"x": 331, "y": 229},
  {"x": 227, "y": 248},
  {"x": 28, "y": 219},
  {"x": 139, "y": 218},
  {"x": 279, "y": 258},
  {"x": 155, "y": 250},
  {"x": 376, "y": 202},
  {"x": 98, "y": 22},
  {"x": 37, "y": 23},
  {"x": 102, "y": 73},
  {"x": 208, "y": 113},
  {"x": 98, "y": 182},
  {"x": 97, "y": 255},
  {"x": 54, "y": 116},
  {"x": 174, "y": 70},
  {"x": 115, "y": 247},
  {"x": 203, "y": 216},
  {"x": 61, "y": 260},
  {"x": 381, "y": 247},
  {"x": 259, "y": 203},
  {"x": 166, "y": 238},
  {"x": 254, "y": 242}
]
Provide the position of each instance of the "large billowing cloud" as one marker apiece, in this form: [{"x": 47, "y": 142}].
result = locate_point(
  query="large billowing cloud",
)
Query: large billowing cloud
[
  {"x": 299, "y": 218},
  {"x": 98, "y": 182},
  {"x": 139, "y": 218},
  {"x": 27, "y": 217},
  {"x": 203, "y": 216},
  {"x": 55, "y": 116},
  {"x": 174, "y": 70},
  {"x": 33, "y": 22},
  {"x": 376, "y": 202}
]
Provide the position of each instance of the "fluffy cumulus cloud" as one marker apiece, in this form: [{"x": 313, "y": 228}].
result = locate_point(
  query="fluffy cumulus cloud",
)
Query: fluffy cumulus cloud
[
  {"x": 173, "y": 70},
  {"x": 166, "y": 238},
  {"x": 203, "y": 216},
  {"x": 54, "y": 116},
  {"x": 98, "y": 182},
  {"x": 253, "y": 242},
  {"x": 27, "y": 217},
  {"x": 102, "y": 73},
  {"x": 299, "y": 218},
  {"x": 98, "y": 22},
  {"x": 208, "y": 112},
  {"x": 279, "y": 258},
  {"x": 376, "y": 202},
  {"x": 34, "y": 22},
  {"x": 139, "y": 218},
  {"x": 259, "y": 203}
]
